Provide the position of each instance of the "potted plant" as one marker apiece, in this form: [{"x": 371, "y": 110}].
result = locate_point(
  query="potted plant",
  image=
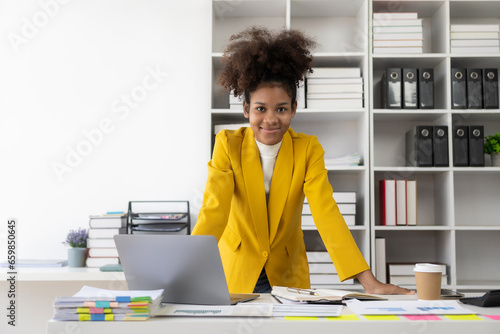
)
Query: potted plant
[
  {"x": 492, "y": 146},
  {"x": 77, "y": 253}
]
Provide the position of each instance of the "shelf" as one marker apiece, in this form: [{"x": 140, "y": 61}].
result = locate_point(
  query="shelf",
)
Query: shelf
[
  {"x": 408, "y": 115},
  {"x": 413, "y": 228},
  {"x": 64, "y": 274}
]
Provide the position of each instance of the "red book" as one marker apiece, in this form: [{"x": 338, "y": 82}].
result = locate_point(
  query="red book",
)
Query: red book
[{"x": 387, "y": 202}]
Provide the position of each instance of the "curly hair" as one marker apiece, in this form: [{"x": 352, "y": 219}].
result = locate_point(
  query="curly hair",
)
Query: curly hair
[{"x": 256, "y": 55}]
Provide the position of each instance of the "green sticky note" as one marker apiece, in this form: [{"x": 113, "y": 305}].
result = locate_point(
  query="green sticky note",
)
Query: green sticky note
[
  {"x": 301, "y": 318},
  {"x": 344, "y": 317},
  {"x": 381, "y": 317},
  {"x": 463, "y": 317}
]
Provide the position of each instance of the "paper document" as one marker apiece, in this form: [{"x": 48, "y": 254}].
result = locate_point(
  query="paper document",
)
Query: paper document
[
  {"x": 91, "y": 292},
  {"x": 238, "y": 310},
  {"x": 407, "y": 307},
  {"x": 306, "y": 310}
]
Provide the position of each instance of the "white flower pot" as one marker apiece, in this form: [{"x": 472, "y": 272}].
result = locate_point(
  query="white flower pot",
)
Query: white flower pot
[
  {"x": 495, "y": 159},
  {"x": 77, "y": 257}
]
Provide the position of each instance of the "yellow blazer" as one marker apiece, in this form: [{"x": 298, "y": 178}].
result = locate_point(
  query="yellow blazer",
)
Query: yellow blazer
[{"x": 253, "y": 234}]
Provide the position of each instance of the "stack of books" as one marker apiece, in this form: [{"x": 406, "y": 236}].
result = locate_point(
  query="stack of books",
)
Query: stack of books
[
  {"x": 475, "y": 38},
  {"x": 322, "y": 270},
  {"x": 334, "y": 87},
  {"x": 398, "y": 202},
  {"x": 402, "y": 273},
  {"x": 235, "y": 102},
  {"x": 346, "y": 201},
  {"x": 93, "y": 304},
  {"x": 102, "y": 248},
  {"x": 397, "y": 33}
]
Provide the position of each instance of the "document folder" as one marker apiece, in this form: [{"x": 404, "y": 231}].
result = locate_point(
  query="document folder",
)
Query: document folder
[
  {"x": 474, "y": 88},
  {"x": 490, "y": 88},
  {"x": 410, "y": 88},
  {"x": 419, "y": 146},
  {"x": 458, "y": 89},
  {"x": 460, "y": 146},
  {"x": 440, "y": 145},
  {"x": 476, "y": 145},
  {"x": 391, "y": 89},
  {"x": 425, "y": 88}
]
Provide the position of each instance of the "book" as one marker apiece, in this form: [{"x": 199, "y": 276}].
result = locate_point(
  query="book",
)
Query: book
[
  {"x": 322, "y": 268},
  {"x": 334, "y": 88},
  {"x": 380, "y": 260},
  {"x": 406, "y": 268},
  {"x": 335, "y": 72},
  {"x": 475, "y": 28},
  {"x": 325, "y": 279},
  {"x": 344, "y": 196},
  {"x": 395, "y": 15},
  {"x": 410, "y": 280},
  {"x": 387, "y": 197},
  {"x": 318, "y": 257},
  {"x": 96, "y": 262},
  {"x": 321, "y": 294},
  {"x": 105, "y": 232},
  {"x": 107, "y": 221},
  {"x": 103, "y": 252},
  {"x": 398, "y": 43},
  {"x": 474, "y": 35},
  {"x": 336, "y": 81},
  {"x": 35, "y": 263},
  {"x": 401, "y": 202},
  {"x": 308, "y": 221},
  {"x": 398, "y": 23},
  {"x": 482, "y": 49},
  {"x": 475, "y": 42},
  {"x": 334, "y": 103},
  {"x": 405, "y": 50},
  {"x": 411, "y": 202},
  {"x": 344, "y": 208},
  {"x": 398, "y": 36},
  {"x": 391, "y": 29},
  {"x": 312, "y": 96},
  {"x": 101, "y": 243}
]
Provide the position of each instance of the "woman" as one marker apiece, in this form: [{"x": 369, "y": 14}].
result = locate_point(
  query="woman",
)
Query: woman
[{"x": 258, "y": 176}]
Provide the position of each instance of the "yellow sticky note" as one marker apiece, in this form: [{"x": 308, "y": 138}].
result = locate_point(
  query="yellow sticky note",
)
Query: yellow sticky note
[
  {"x": 344, "y": 317},
  {"x": 301, "y": 318},
  {"x": 463, "y": 317},
  {"x": 381, "y": 317}
]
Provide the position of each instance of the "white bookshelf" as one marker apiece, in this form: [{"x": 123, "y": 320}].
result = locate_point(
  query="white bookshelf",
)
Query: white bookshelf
[
  {"x": 455, "y": 223},
  {"x": 454, "y": 203}
]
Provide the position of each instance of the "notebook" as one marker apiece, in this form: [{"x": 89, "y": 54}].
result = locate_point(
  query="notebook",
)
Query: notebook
[{"x": 187, "y": 267}]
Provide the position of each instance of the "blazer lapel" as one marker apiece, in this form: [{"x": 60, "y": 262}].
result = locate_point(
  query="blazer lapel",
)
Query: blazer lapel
[
  {"x": 254, "y": 183},
  {"x": 280, "y": 184}
]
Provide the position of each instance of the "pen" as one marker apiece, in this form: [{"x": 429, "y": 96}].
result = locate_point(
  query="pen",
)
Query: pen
[{"x": 302, "y": 291}]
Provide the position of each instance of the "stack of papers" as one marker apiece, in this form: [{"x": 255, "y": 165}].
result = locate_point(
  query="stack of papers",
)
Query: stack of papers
[
  {"x": 93, "y": 304},
  {"x": 351, "y": 159}
]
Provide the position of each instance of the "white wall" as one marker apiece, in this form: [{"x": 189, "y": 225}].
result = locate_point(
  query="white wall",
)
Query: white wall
[{"x": 70, "y": 67}]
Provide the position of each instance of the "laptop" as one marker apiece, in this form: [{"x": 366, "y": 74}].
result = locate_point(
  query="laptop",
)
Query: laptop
[{"x": 187, "y": 267}]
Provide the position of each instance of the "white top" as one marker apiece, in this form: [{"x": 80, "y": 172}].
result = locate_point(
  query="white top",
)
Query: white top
[{"x": 268, "y": 154}]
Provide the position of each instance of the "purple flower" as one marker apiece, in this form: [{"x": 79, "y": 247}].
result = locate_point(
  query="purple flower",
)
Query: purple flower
[{"x": 77, "y": 238}]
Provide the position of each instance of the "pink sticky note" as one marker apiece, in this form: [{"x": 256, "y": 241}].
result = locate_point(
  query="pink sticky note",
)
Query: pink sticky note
[
  {"x": 422, "y": 317},
  {"x": 493, "y": 317}
]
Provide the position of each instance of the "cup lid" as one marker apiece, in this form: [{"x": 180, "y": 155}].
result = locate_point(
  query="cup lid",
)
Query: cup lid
[{"x": 427, "y": 268}]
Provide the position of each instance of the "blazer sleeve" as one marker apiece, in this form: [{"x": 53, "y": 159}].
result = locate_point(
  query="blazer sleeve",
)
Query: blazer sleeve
[
  {"x": 214, "y": 213},
  {"x": 335, "y": 234}
]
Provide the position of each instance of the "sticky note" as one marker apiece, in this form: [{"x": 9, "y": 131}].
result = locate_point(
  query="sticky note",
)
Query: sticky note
[
  {"x": 422, "y": 317},
  {"x": 381, "y": 317},
  {"x": 463, "y": 317},
  {"x": 301, "y": 318},
  {"x": 493, "y": 317},
  {"x": 344, "y": 317}
]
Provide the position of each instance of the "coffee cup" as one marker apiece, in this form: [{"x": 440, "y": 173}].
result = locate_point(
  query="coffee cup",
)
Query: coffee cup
[{"x": 428, "y": 277}]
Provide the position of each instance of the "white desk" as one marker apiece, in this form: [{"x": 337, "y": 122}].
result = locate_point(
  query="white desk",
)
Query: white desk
[{"x": 281, "y": 325}]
